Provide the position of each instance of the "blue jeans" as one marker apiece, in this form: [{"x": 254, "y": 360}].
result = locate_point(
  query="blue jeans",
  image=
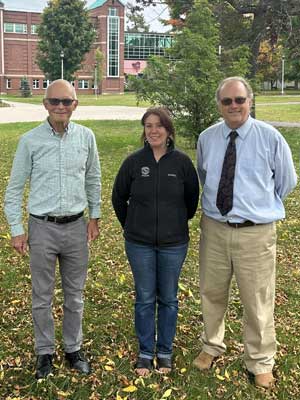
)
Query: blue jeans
[{"x": 156, "y": 273}]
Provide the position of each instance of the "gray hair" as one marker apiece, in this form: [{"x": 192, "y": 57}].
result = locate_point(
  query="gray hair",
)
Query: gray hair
[{"x": 234, "y": 79}]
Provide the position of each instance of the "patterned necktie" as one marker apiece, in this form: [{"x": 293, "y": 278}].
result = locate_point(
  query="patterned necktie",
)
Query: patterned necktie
[{"x": 225, "y": 190}]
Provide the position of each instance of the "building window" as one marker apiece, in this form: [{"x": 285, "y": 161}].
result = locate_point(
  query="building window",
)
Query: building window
[
  {"x": 143, "y": 45},
  {"x": 8, "y": 83},
  {"x": 113, "y": 40},
  {"x": 112, "y": 12},
  {"x": 46, "y": 83},
  {"x": 83, "y": 84},
  {"x": 35, "y": 84},
  {"x": 34, "y": 29},
  {"x": 10, "y": 27}
]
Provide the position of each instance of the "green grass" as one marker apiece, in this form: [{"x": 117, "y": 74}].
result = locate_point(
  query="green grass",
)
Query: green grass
[
  {"x": 109, "y": 295},
  {"x": 278, "y": 107},
  {"x": 276, "y": 112},
  {"x": 126, "y": 99},
  {"x": 277, "y": 99}
]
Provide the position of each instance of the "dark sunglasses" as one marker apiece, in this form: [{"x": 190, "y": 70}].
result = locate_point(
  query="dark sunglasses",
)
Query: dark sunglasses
[
  {"x": 227, "y": 101},
  {"x": 55, "y": 102}
]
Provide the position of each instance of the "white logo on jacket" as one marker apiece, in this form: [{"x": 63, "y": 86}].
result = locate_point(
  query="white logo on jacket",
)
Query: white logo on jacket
[{"x": 145, "y": 172}]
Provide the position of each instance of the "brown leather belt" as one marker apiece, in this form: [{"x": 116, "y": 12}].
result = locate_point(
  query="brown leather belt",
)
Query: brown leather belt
[
  {"x": 60, "y": 219},
  {"x": 241, "y": 224}
]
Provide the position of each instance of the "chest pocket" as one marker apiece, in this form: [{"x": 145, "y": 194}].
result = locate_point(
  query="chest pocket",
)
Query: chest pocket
[
  {"x": 255, "y": 168},
  {"x": 76, "y": 158}
]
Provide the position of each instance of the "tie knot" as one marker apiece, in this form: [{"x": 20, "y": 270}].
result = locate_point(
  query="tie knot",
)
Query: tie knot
[{"x": 233, "y": 135}]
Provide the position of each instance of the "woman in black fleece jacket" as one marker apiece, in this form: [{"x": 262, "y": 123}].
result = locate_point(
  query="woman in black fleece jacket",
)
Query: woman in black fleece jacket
[{"x": 155, "y": 193}]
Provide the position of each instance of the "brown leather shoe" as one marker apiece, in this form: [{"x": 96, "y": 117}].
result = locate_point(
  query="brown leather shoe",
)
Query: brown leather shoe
[
  {"x": 203, "y": 361},
  {"x": 265, "y": 380}
]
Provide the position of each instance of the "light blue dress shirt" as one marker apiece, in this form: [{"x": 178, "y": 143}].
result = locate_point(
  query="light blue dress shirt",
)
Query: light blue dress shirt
[
  {"x": 264, "y": 172},
  {"x": 63, "y": 170}
]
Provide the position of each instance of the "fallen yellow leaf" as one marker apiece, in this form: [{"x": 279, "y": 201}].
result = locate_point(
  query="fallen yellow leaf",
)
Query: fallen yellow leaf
[
  {"x": 140, "y": 380},
  {"x": 122, "y": 278},
  {"x": 18, "y": 361},
  {"x": 120, "y": 398},
  {"x": 63, "y": 394},
  {"x": 167, "y": 394},
  {"x": 153, "y": 386},
  {"x": 130, "y": 389}
]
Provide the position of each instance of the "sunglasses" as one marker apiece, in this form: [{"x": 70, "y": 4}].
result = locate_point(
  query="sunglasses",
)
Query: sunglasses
[
  {"x": 55, "y": 102},
  {"x": 227, "y": 101}
]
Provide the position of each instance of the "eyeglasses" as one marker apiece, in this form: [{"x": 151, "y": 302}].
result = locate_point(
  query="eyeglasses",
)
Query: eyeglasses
[
  {"x": 55, "y": 102},
  {"x": 227, "y": 101}
]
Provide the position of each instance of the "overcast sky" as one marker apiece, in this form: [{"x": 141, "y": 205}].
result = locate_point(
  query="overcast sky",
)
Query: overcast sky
[{"x": 151, "y": 14}]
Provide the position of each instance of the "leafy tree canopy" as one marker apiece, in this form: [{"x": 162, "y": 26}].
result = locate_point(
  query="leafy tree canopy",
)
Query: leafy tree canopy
[
  {"x": 136, "y": 20},
  {"x": 193, "y": 70},
  {"x": 65, "y": 27},
  {"x": 242, "y": 22}
]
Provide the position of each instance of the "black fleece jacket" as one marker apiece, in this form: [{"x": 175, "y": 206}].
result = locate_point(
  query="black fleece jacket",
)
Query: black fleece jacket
[{"x": 154, "y": 200}]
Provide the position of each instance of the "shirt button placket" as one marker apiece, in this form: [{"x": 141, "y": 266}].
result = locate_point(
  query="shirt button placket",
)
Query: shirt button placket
[{"x": 63, "y": 176}]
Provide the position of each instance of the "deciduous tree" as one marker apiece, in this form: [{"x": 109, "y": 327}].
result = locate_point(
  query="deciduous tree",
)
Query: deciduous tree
[
  {"x": 136, "y": 20},
  {"x": 99, "y": 61},
  {"x": 243, "y": 22},
  {"x": 186, "y": 82},
  {"x": 269, "y": 63},
  {"x": 292, "y": 52},
  {"x": 66, "y": 27}
]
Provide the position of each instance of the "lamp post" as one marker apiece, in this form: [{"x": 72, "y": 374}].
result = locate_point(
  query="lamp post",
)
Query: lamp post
[
  {"x": 282, "y": 74},
  {"x": 95, "y": 80},
  {"x": 62, "y": 54}
]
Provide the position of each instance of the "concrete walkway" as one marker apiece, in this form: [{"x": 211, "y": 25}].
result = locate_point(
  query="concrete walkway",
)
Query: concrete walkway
[{"x": 23, "y": 112}]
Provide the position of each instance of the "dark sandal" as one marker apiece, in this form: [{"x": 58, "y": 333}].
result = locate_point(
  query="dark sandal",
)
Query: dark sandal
[
  {"x": 164, "y": 363},
  {"x": 144, "y": 363}
]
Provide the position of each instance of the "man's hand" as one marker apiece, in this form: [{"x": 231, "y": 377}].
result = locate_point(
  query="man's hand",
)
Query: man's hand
[
  {"x": 92, "y": 229},
  {"x": 19, "y": 243}
]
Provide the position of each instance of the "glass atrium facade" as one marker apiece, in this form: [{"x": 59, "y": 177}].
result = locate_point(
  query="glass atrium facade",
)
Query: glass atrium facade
[
  {"x": 113, "y": 33},
  {"x": 143, "y": 45}
]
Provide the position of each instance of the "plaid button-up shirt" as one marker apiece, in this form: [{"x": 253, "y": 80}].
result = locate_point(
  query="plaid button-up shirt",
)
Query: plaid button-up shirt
[{"x": 63, "y": 171}]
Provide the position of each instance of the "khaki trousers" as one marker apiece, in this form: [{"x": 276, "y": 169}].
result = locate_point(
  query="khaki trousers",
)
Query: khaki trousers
[{"x": 249, "y": 253}]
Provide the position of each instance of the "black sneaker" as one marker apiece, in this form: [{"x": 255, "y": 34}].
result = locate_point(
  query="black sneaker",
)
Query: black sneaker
[
  {"x": 78, "y": 361},
  {"x": 43, "y": 366}
]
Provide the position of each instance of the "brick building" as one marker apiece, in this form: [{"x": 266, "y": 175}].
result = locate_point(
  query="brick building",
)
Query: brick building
[{"x": 18, "y": 44}]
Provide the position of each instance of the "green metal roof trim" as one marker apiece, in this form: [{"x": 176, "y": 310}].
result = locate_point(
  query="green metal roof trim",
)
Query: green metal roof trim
[{"x": 99, "y": 3}]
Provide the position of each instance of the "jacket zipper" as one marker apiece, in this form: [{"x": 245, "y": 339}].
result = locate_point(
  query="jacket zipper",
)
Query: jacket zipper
[{"x": 156, "y": 200}]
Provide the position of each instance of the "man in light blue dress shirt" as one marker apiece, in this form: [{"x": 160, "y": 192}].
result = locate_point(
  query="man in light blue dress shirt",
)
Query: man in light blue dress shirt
[
  {"x": 242, "y": 239},
  {"x": 60, "y": 160}
]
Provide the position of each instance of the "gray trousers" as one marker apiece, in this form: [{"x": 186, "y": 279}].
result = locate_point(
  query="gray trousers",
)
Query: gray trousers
[{"x": 67, "y": 243}]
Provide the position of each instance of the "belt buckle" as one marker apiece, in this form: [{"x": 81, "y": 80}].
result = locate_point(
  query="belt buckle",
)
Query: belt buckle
[
  {"x": 60, "y": 220},
  {"x": 232, "y": 224}
]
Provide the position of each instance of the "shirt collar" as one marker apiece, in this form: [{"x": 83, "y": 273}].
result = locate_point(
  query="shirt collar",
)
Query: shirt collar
[
  {"x": 52, "y": 131},
  {"x": 242, "y": 130}
]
